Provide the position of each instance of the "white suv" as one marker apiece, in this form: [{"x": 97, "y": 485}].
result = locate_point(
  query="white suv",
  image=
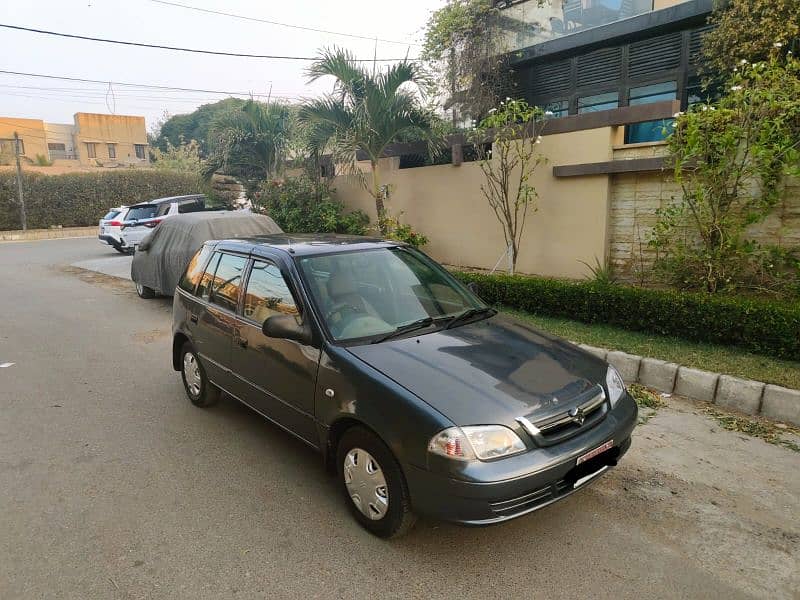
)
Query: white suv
[
  {"x": 109, "y": 228},
  {"x": 142, "y": 218}
]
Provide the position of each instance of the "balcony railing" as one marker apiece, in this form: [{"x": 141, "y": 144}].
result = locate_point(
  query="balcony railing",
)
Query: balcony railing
[{"x": 525, "y": 23}]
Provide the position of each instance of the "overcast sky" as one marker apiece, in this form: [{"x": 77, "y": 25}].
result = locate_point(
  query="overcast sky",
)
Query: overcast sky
[{"x": 156, "y": 23}]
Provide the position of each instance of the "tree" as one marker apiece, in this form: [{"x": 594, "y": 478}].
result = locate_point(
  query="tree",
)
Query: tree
[
  {"x": 748, "y": 29},
  {"x": 367, "y": 111},
  {"x": 466, "y": 45},
  {"x": 250, "y": 142},
  {"x": 731, "y": 159},
  {"x": 184, "y": 157},
  {"x": 508, "y": 165},
  {"x": 194, "y": 125}
]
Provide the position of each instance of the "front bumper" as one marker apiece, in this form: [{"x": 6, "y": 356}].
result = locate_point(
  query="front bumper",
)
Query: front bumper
[{"x": 551, "y": 475}]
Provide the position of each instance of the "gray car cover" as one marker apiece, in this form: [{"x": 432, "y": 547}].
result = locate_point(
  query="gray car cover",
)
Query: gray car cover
[{"x": 162, "y": 256}]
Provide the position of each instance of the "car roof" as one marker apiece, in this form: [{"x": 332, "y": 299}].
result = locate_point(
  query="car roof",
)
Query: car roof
[
  {"x": 307, "y": 244},
  {"x": 168, "y": 199}
]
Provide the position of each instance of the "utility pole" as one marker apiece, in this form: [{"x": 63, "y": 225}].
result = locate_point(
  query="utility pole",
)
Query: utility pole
[{"x": 22, "y": 215}]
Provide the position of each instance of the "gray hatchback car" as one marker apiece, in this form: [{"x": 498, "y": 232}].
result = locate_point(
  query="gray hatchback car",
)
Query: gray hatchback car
[{"x": 423, "y": 399}]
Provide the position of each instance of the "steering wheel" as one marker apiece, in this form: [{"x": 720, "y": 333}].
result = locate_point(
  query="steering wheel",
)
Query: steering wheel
[{"x": 340, "y": 307}]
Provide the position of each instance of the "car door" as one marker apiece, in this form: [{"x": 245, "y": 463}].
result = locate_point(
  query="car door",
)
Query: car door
[
  {"x": 276, "y": 377},
  {"x": 218, "y": 292}
]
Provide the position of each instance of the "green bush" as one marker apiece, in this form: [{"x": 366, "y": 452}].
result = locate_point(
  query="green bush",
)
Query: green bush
[
  {"x": 299, "y": 205},
  {"x": 762, "y": 326},
  {"x": 80, "y": 199}
]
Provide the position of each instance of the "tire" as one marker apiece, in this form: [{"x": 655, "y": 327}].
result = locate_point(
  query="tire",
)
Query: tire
[
  {"x": 199, "y": 389},
  {"x": 145, "y": 292},
  {"x": 363, "y": 460}
]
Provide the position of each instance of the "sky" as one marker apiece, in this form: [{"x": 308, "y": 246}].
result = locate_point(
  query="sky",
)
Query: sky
[{"x": 153, "y": 22}]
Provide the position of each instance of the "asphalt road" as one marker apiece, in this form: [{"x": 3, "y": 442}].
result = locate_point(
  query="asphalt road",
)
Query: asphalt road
[{"x": 112, "y": 485}]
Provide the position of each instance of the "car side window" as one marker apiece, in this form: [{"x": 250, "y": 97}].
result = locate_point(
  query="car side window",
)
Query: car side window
[
  {"x": 204, "y": 289},
  {"x": 227, "y": 281},
  {"x": 267, "y": 293},
  {"x": 195, "y": 269}
]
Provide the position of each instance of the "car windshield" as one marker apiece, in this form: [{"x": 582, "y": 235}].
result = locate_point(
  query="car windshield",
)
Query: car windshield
[
  {"x": 137, "y": 213},
  {"x": 372, "y": 293}
]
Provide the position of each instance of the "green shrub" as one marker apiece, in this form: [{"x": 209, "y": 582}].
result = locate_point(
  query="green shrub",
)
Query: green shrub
[
  {"x": 80, "y": 199},
  {"x": 299, "y": 205},
  {"x": 762, "y": 326}
]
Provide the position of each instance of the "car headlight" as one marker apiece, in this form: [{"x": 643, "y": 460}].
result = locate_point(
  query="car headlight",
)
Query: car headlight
[
  {"x": 484, "y": 442},
  {"x": 615, "y": 385}
]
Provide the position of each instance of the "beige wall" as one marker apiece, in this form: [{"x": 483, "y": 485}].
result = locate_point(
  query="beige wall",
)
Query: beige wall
[
  {"x": 31, "y": 132},
  {"x": 123, "y": 131},
  {"x": 445, "y": 203}
]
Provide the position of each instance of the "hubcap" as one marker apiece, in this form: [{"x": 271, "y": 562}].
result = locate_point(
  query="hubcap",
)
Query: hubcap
[
  {"x": 191, "y": 371},
  {"x": 366, "y": 484},
  {"x": 140, "y": 289}
]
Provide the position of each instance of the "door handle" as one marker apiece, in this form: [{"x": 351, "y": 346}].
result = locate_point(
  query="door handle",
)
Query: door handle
[
  {"x": 242, "y": 342},
  {"x": 193, "y": 318}
]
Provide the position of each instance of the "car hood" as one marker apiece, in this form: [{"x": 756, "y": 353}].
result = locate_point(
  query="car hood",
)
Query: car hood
[{"x": 487, "y": 372}]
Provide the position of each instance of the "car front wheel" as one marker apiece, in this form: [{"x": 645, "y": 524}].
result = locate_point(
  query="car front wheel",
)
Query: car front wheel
[
  {"x": 200, "y": 390},
  {"x": 145, "y": 292},
  {"x": 373, "y": 484}
]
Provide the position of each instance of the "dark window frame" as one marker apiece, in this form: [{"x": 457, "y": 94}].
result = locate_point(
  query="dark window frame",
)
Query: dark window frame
[
  {"x": 112, "y": 150},
  {"x": 91, "y": 149},
  {"x": 289, "y": 286},
  {"x": 210, "y": 299},
  {"x": 140, "y": 150}
]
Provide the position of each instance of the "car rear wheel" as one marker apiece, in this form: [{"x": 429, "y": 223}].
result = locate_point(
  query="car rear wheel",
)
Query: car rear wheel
[
  {"x": 200, "y": 390},
  {"x": 373, "y": 484},
  {"x": 145, "y": 292}
]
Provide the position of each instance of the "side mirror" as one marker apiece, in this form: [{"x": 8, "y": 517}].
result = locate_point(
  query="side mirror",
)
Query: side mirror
[
  {"x": 473, "y": 287},
  {"x": 286, "y": 327}
]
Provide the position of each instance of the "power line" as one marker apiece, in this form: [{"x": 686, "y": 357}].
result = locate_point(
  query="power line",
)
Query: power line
[
  {"x": 75, "y": 92},
  {"x": 139, "y": 85},
  {"x": 179, "y": 49},
  {"x": 269, "y": 22}
]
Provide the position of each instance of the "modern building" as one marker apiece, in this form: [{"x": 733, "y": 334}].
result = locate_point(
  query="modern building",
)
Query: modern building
[
  {"x": 92, "y": 140},
  {"x": 579, "y": 56}
]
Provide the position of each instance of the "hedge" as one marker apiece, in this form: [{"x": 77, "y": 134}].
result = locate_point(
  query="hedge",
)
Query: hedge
[
  {"x": 79, "y": 199},
  {"x": 761, "y": 326}
]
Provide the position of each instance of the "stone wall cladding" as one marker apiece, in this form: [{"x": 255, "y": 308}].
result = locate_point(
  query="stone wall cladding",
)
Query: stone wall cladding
[{"x": 635, "y": 197}]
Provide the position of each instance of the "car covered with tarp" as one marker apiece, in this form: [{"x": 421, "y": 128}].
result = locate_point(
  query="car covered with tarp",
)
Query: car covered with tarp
[{"x": 162, "y": 256}]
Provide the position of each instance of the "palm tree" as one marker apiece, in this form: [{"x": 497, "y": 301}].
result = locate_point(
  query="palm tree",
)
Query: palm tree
[
  {"x": 367, "y": 111},
  {"x": 250, "y": 142}
]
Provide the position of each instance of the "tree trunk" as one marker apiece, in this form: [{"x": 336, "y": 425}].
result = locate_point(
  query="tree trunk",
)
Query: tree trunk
[{"x": 380, "y": 209}]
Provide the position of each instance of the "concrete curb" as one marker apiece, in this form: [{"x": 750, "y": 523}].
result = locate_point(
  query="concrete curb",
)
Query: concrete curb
[
  {"x": 750, "y": 397},
  {"x": 47, "y": 234}
]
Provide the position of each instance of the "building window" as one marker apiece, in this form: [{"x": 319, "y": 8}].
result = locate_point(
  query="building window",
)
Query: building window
[
  {"x": 598, "y": 102},
  {"x": 650, "y": 131},
  {"x": 112, "y": 151},
  {"x": 559, "y": 108},
  {"x": 91, "y": 149},
  {"x": 7, "y": 147},
  {"x": 139, "y": 149}
]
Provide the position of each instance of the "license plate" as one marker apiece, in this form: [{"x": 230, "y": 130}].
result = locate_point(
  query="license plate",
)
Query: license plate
[{"x": 592, "y": 453}]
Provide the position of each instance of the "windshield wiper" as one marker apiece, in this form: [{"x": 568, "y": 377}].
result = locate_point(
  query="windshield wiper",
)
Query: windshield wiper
[
  {"x": 469, "y": 313},
  {"x": 408, "y": 327}
]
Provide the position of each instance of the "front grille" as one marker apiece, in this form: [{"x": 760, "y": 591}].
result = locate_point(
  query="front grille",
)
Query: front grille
[{"x": 552, "y": 429}]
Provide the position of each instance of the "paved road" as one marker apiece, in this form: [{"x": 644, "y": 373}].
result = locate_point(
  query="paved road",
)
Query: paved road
[{"x": 113, "y": 486}]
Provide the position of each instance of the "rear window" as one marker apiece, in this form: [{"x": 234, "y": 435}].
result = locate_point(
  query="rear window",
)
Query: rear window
[
  {"x": 197, "y": 205},
  {"x": 111, "y": 214},
  {"x": 137, "y": 213}
]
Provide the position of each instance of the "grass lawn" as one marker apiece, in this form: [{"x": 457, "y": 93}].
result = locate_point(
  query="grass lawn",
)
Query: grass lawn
[{"x": 722, "y": 359}]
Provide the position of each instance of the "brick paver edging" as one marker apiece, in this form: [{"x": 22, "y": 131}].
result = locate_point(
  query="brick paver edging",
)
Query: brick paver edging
[
  {"x": 744, "y": 395},
  {"x": 48, "y": 234}
]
